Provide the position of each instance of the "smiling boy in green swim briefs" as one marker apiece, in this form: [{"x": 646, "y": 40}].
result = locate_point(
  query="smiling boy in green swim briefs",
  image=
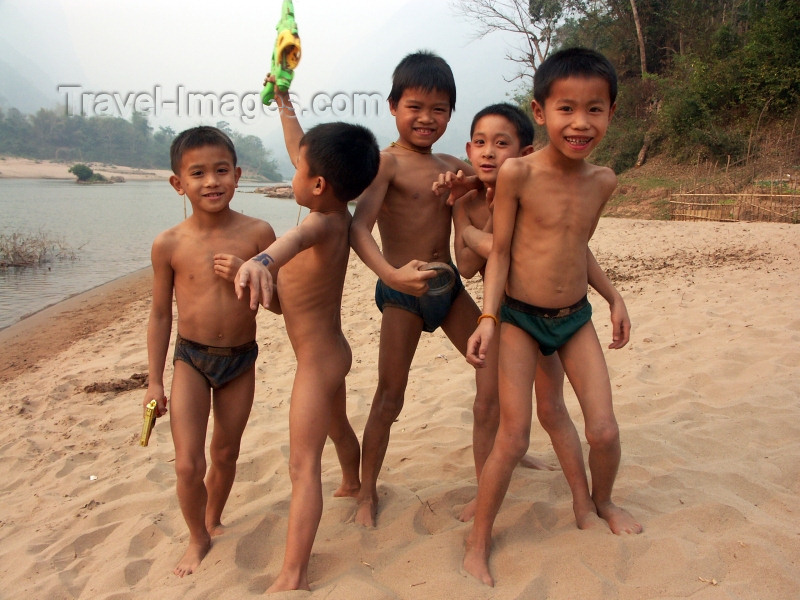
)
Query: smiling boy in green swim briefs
[{"x": 546, "y": 208}]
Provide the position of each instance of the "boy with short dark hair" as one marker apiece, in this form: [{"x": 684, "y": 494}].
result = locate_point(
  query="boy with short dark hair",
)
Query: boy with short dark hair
[
  {"x": 414, "y": 227},
  {"x": 498, "y": 132},
  {"x": 546, "y": 208},
  {"x": 215, "y": 349},
  {"x": 335, "y": 163}
]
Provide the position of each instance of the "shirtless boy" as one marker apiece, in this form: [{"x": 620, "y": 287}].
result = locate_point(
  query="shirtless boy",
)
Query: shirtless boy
[
  {"x": 215, "y": 348},
  {"x": 414, "y": 227},
  {"x": 335, "y": 162},
  {"x": 498, "y": 132},
  {"x": 546, "y": 208}
]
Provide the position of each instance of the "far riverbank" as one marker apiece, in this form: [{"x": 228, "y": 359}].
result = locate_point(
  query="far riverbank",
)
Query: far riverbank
[{"x": 14, "y": 167}]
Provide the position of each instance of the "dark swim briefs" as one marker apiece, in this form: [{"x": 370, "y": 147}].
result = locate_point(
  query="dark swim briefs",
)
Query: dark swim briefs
[
  {"x": 432, "y": 309},
  {"x": 218, "y": 366},
  {"x": 550, "y": 327}
]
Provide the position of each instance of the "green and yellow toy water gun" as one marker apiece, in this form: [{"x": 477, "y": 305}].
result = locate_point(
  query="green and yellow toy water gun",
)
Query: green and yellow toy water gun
[{"x": 285, "y": 55}]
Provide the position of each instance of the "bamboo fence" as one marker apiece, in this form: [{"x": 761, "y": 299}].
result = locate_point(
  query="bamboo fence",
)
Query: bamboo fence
[{"x": 777, "y": 208}]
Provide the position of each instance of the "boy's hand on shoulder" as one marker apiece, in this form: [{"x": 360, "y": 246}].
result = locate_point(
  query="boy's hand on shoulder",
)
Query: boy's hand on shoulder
[
  {"x": 457, "y": 184},
  {"x": 226, "y": 265},
  {"x": 410, "y": 280},
  {"x": 256, "y": 276}
]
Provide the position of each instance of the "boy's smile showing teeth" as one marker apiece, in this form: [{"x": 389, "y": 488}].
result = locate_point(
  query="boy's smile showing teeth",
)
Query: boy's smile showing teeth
[
  {"x": 578, "y": 141},
  {"x": 576, "y": 104},
  {"x": 421, "y": 117}
]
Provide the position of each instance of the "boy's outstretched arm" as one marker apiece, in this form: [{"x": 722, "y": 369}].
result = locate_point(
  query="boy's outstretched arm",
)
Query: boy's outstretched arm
[
  {"x": 408, "y": 278},
  {"x": 620, "y": 322},
  {"x": 159, "y": 326},
  {"x": 259, "y": 272},
  {"x": 506, "y": 204}
]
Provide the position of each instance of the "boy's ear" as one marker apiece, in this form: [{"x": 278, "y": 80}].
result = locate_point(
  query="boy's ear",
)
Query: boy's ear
[
  {"x": 467, "y": 147},
  {"x": 237, "y": 172},
  {"x": 392, "y": 107},
  {"x": 175, "y": 182},
  {"x": 320, "y": 185},
  {"x": 611, "y": 112},
  {"x": 526, "y": 150},
  {"x": 538, "y": 112}
]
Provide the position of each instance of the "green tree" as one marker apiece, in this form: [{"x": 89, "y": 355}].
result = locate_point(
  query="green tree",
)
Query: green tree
[{"x": 81, "y": 171}]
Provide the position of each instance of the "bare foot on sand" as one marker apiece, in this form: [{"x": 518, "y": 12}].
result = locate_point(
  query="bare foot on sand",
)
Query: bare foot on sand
[
  {"x": 285, "y": 583},
  {"x": 590, "y": 520},
  {"x": 216, "y": 529},
  {"x": 530, "y": 462},
  {"x": 476, "y": 563},
  {"x": 619, "y": 520},
  {"x": 347, "y": 490},
  {"x": 468, "y": 511},
  {"x": 192, "y": 557},
  {"x": 367, "y": 513},
  {"x": 586, "y": 516}
]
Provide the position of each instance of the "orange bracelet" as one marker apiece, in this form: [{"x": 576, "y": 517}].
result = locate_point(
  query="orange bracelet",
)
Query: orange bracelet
[{"x": 488, "y": 316}]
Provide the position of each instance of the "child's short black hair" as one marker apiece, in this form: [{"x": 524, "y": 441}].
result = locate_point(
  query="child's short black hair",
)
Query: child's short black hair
[
  {"x": 346, "y": 155},
  {"x": 514, "y": 115},
  {"x": 573, "y": 62},
  {"x": 424, "y": 70},
  {"x": 195, "y": 138}
]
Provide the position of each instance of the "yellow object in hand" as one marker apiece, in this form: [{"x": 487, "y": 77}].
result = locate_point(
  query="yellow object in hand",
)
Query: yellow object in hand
[{"x": 149, "y": 422}]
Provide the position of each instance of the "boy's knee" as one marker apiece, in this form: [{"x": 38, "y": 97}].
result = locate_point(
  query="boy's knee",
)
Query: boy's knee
[
  {"x": 513, "y": 446},
  {"x": 486, "y": 408},
  {"x": 304, "y": 470},
  {"x": 602, "y": 435},
  {"x": 225, "y": 456},
  {"x": 190, "y": 469},
  {"x": 552, "y": 415},
  {"x": 388, "y": 405}
]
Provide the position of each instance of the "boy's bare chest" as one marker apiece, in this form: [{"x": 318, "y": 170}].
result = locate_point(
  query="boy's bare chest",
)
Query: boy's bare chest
[
  {"x": 569, "y": 202},
  {"x": 413, "y": 198},
  {"x": 193, "y": 260}
]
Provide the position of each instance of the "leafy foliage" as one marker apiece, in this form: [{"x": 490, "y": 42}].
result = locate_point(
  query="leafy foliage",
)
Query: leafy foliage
[
  {"x": 81, "y": 171},
  {"x": 85, "y": 174},
  {"x": 715, "y": 70}
]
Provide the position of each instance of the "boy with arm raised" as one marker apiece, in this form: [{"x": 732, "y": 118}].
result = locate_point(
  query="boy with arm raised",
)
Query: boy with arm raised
[{"x": 335, "y": 163}]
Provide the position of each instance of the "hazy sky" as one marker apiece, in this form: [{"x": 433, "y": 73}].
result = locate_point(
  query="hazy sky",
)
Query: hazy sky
[{"x": 156, "y": 53}]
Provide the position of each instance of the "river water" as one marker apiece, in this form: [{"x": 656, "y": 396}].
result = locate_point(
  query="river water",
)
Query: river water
[{"x": 110, "y": 228}]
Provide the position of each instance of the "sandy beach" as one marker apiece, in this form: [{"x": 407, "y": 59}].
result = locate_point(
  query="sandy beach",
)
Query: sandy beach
[
  {"x": 706, "y": 395},
  {"x": 12, "y": 167}
]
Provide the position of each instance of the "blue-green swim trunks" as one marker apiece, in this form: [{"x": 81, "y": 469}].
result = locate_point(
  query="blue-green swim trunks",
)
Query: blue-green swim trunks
[
  {"x": 550, "y": 327},
  {"x": 432, "y": 309}
]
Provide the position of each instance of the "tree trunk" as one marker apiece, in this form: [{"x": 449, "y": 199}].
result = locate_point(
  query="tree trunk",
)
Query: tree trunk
[
  {"x": 645, "y": 147},
  {"x": 640, "y": 37}
]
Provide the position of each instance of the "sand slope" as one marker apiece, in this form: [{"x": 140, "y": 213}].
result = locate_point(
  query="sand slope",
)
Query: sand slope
[{"x": 706, "y": 395}]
